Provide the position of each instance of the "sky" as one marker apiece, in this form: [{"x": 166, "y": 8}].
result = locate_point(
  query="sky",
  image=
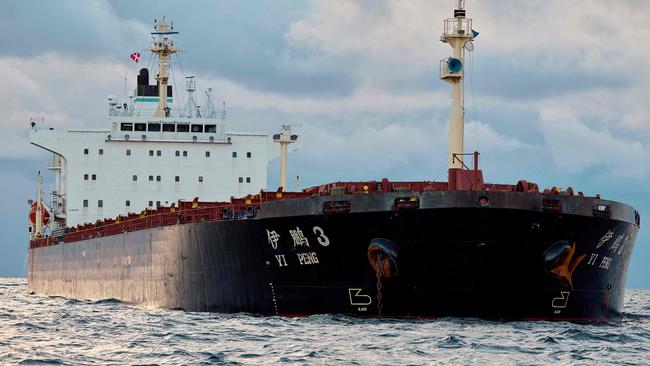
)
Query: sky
[{"x": 556, "y": 93}]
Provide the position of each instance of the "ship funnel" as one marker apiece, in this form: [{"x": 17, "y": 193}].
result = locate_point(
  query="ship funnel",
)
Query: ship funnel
[{"x": 143, "y": 77}]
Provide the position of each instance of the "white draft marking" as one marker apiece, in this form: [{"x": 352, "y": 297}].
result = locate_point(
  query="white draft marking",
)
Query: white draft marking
[
  {"x": 358, "y": 299},
  {"x": 561, "y": 302}
]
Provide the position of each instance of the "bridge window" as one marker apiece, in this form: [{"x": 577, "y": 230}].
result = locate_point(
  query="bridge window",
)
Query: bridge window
[
  {"x": 185, "y": 153},
  {"x": 101, "y": 151},
  {"x": 94, "y": 177},
  {"x": 85, "y": 204},
  {"x": 211, "y": 128},
  {"x": 126, "y": 127},
  {"x": 248, "y": 179},
  {"x": 178, "y": 153},
  {"x": 128, "y": 152},
  {"x": 241, "y": 179},
  {"x": 207, "y": 154},
  {"x": 249, "y": 154},
  {"x": 182, "y": 127},
  {"x": 85, "y": 151},
  {"x": 151, "y": 178},
  {"x": 157, "y": 178},
  {"x": 100, "y": 203},
  {"x": 234, "y": 154},
  {"x": 177, "y": 179},
  {"x": 150, "y": 152},
  {"x": 135, "y": 178},
  {"x": 169, "y": 127},
  {"x": 140, "y": 126},
  {"x": 85, "y": 176},
  {"x": 150, "y": 203},
  {"x": 128, "y": 203},
  {"x": 154, "y": 127},
  {"x": 157, "y": 204},
  {"x": 200, "y": 179},
  {"x": 197, "y": 128},
  {"x": 158, "y": 153}
]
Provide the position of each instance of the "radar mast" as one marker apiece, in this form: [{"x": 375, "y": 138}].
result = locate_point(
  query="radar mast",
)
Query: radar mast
[
  {"x": 457, "y": 33},
  {"x": 163, "y": 47}
]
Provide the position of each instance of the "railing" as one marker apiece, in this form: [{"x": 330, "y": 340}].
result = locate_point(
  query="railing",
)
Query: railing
[
  {"x": 42, "y": 242},
  {"x": 456, "y": 157},
  {"x": 383, "y": 185},
  {"x": 157, "y": 219},
  {"x": 186, "y": 212},
  {"x": 242, "y": 208},
  {"x": 457, "y": 27}
]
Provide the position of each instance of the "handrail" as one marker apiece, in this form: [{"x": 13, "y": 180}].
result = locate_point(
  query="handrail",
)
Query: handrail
[
  {"x": 236, "y": 209},
  {"x": 475, "y": 154}
]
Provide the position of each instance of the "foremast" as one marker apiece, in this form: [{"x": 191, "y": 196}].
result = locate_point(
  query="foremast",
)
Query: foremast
[
  {"x": 284, "y": 138},
  {"x": 163, "y": 47},
  {"x": 458, "y": 33},
  {"x": 38, "y": 218}
]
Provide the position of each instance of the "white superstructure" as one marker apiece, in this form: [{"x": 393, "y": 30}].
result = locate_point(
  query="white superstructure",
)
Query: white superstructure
[{"x": 149, "y": 155}]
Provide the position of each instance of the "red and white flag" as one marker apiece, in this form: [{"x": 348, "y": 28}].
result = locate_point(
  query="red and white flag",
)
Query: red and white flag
[{"x": 135, "y": 56}]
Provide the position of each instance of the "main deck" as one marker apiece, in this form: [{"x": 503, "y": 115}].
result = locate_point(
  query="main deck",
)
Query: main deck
[{"x": 341, "y": 197}]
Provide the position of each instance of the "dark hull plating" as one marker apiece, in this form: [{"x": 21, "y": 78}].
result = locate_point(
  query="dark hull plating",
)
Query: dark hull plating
[{"x": 511, "y": 260}]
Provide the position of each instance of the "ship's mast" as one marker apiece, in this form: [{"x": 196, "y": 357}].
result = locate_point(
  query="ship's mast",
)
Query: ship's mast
[
  {"x": 38, "y": 220},
  {"x": 163, "y": 47},
  {"x": 457, "y": 32},
  {"x": 284, "y": 138}
]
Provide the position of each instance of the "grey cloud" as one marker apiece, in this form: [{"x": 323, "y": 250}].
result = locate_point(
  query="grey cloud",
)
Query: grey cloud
[
  {"x": 69, "y": 27},
  {"x": 243, "y": 41},
  {"x": 239, "y": 40},
  {"x": 528, "y": 77}
]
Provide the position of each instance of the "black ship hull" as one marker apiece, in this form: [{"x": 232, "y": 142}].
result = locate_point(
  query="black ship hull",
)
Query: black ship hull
[{"x": 509, "y": 257}]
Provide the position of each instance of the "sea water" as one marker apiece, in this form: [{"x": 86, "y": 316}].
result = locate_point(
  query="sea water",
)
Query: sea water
[{"x": 50, "y": 330}]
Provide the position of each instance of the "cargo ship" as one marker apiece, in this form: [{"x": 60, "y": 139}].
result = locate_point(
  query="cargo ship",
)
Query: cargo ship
[{"x": 166, "y": 208}]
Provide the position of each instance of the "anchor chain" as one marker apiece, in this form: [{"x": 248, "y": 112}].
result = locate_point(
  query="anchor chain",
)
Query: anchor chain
[{"x": 380, "y": 259}]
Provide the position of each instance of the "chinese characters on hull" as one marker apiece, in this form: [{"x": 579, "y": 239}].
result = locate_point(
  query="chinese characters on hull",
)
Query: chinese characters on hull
[{"x": 299, "y": 241}]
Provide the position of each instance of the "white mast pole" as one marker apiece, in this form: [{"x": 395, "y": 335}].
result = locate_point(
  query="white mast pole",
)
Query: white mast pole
[
  {"x": 284, "y": 138},
  {"x": 38, "y": 220},
  {"x": 457, "y": 32},
  {"x": 283, "y": 164}
]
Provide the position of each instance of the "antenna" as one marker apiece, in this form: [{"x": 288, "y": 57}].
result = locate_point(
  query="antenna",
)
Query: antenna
[
  {"x": 125, "y": 68},
  {"x": 209, "y": 111},
  {"x": 190, "y": 107},
  {"x": 163, "y": 47}
]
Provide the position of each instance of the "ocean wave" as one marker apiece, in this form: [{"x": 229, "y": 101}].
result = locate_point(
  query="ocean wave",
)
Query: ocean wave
[
  {"x": 53, "y": 330},
  {"x": 452, "y": 341}
]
